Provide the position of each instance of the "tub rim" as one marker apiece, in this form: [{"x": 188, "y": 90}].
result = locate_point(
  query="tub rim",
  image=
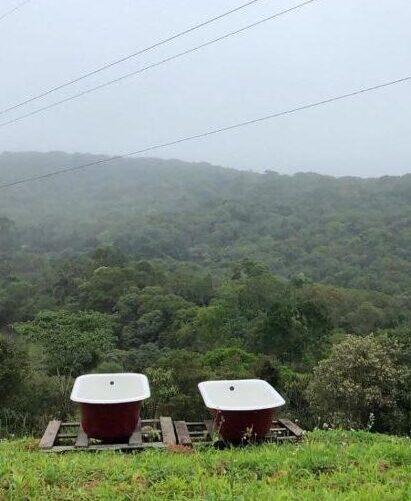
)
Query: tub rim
[
  {"x": 212, "y": 406},
  {"x": 143, "y": 394}
]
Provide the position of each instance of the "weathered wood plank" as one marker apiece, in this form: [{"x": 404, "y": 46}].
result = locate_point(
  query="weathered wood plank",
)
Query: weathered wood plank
[
  {"x": 100, "y": 447},
  {"x": 67, "y": 435},
  {"x": 49, "y": 437},
  {"x": 136, "y": 439},
  {"x": 295, "y": 429},
  {"x": 72, "y": 424},
  {"x": 183, "y": 434},
  {"x": 289, "y": 438},
  {"x": 82, "y": 439},
  {"x": 209, "y": 424},
  {"x": 167, "y": 430}
]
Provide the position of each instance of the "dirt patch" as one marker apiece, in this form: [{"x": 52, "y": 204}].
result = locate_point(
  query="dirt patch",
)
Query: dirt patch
[
  {"x": 91, "y": 484},
  {"x": 382, "y": 467},
  {"x": 180, "y": 449}
]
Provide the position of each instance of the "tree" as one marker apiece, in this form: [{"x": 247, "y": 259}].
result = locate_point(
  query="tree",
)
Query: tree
[
  {"x": 73, "y": 343},
  {"x": 147, "y": 355},
  {"x": 163, "y": 390},
  {"x": 144, "y": 330},
  {"x": 292, "y": 330},
  {"x": 362, "y": 379},
  {"x": 188, "y": 370},
  {"x": 231, "y": 363},
  {"x": 13, "y": 364},
  {"x": 104, "y": 287}
]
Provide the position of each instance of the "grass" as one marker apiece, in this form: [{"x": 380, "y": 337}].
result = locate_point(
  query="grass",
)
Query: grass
[{"x": 333, "y": 465}]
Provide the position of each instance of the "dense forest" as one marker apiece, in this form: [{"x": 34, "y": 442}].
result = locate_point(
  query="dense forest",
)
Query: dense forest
[{"x": 192, "y": 271}]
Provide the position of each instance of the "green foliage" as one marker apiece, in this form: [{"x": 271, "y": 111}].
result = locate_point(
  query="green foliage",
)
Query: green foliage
[
  {"x": 101, "y": 291},
  {"x": 231, "y": 363},
  {"x": 73, "y": 342},
  {"x": 163, "y": 391},
  {"x": 292, "y": 330},
  {"x": 137, "y": 360},
  {"x": 13, "y": 364},
  {"x": 348, "y": 231},
  {"x": 293, "y": 385},
  {"x": 203, "y": 272},
  {"x": 188, "y": 370},
  {"x": 360, "y": 382}
]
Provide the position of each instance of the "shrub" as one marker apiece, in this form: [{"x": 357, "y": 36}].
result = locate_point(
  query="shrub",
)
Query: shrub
[{"x": 359, "y": 383}]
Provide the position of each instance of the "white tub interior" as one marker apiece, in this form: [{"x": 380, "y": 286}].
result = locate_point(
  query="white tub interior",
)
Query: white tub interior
[
  {"x": 240, "y": 395},
  {"x": 110, "y": 388}
]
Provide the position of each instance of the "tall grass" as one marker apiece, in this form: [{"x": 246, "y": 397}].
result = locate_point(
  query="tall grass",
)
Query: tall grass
[{"x": 331, "y": 466}]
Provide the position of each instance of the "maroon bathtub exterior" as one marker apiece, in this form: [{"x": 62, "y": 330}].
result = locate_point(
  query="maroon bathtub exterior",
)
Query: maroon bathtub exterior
[
  {"x": 110, "y": 422},
  {"x": 239, "y": 426}
]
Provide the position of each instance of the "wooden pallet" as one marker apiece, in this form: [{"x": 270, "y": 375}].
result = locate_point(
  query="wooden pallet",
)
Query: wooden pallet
[
  {"x": 203, "y": 433},
  {"x": 149, "y": 433},
  {"x": 155, "y": 434}
]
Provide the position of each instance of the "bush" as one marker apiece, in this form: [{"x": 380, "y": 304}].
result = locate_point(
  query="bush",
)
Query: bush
[{"x": 360, "y": 384}]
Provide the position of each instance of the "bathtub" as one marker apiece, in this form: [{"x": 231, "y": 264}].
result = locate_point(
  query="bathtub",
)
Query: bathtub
[
  {"x": 110, "y": 403},
  {"x": 243, "y": 408}
]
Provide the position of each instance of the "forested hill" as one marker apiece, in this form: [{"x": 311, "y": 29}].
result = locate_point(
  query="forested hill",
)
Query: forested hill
[{"x": 348, "y": 231}]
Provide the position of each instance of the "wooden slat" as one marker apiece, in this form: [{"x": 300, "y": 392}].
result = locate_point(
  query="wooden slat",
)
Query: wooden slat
[
  {"x": 295, "y": 429},
  {"x": 49, "y": 437},
  {"x": 167, "y": 430},
  {"x": 136, "y": 439},
  {"x": 198, "y": 433},
  {"x": 183, "y": 434},
  {"x": 209, "y": 424},
  {"x": 72, "y": 424},
  {"x": 99, "y": 447},
  {"x": 82, "y": 439}
]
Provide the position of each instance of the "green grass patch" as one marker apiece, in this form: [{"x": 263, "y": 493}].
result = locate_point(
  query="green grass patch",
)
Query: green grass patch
[{"x": 333, "y": 465}]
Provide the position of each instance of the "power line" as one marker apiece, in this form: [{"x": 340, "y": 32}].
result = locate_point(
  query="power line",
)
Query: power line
[
  {"x": 129, "y": 56},
  {"x": 158, "y": 63},
  {"x": 209, "y": 133},
  {"x": 14, "y": 9}
]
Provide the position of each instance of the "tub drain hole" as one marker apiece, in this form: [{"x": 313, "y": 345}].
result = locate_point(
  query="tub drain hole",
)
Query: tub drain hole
[
  {"x": 231, "y": 388},
  {"x": 111, "y": 382}
]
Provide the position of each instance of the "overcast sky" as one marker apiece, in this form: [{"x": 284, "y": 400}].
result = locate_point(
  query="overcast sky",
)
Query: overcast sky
[{"x": 327, "y": 48}]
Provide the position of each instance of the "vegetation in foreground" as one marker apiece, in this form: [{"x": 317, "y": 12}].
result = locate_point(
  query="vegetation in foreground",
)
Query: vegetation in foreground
[{"x": 332, "y": 465}]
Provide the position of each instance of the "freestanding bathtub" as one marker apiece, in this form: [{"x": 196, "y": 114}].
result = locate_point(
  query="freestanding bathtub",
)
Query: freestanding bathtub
[
  {"x": 243, "y": 408},
  {"x": 110, "y": 403}
]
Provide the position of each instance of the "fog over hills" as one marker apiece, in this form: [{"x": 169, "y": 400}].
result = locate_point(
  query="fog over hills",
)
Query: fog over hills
[{"x": 350, "y": 231}]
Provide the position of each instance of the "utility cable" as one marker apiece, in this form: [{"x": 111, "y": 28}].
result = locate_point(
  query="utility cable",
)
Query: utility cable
[
  {"x": 158, "y": 63},
  {"x": 126, "y": 58},
  {"x": 209, "y": 132},
  {"x": 14, "y": 9}
]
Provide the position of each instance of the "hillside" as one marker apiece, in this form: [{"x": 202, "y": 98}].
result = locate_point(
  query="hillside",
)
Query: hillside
[
  {"x": 350, "y": 232},
  {"x": 189, "y": 272},
  {"x": 345, "y": 466}
]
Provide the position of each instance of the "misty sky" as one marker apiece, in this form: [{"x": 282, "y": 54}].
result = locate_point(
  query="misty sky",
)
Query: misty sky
[{"x": 324, "y": 49}]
